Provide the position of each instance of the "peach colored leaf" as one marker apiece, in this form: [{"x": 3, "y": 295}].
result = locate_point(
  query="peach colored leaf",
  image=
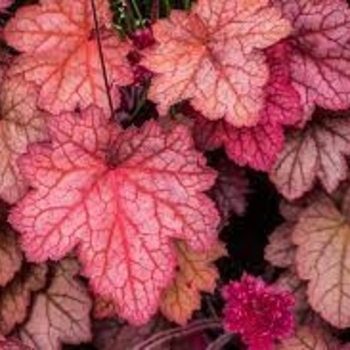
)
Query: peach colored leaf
[
  {"x": 309, "y": 338},
  {"x": 280, "y": 251},
  {"x": 317, "y": 151},
  {"x": 20, "y": 124},
  {"x": 120, "y": 200},
  {"x": 320, "y": 51},
  {"x": 10, "y": 256},
  {"x": 60, "y": 314},
  {"x": 323, "y": 258},
  {"x": 230, "y": 190},
  {"x": 213, "y": 56},
  {"x": 257, "y": 146},
  {"x": 61, "y": 55},
  {"x": 196, "y": 273},
  {"x": 16, "y": 297}
]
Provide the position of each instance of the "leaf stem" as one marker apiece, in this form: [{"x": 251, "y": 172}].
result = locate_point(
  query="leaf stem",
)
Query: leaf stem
[
  {"x": 102, "y": 60},
  {"x": 138, "y": 12},
  {"x": 187, "y": 4},
  {"x": 167, "y": 7},
  {"x": 162, "y": 337},
  {"x": 220, "y": 342}
]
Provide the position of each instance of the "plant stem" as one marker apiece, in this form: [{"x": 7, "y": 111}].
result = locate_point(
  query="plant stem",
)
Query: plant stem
[
  {"x": 167, "y": 7},
  {"x": 220, "y": 342},
  {"x": 187, "y": 4},
  {"x": 162, "y": 337},
  {"x": 138, "y": 12}
]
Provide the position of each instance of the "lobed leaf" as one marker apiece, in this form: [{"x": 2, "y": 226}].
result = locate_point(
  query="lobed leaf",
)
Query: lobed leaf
[
  {"x": 120, "y": 200},
  {"x": 212, "y": 56}
]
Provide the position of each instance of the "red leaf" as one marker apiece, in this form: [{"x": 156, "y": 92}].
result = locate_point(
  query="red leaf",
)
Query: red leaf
[
  {"x": 120, "y": 200},
  {"x": 230, "y": 190},
  {"x": 315, "y": 152},
  {"x": 61, "y": 53},
  {"x": 20, "y": 124},
  {"x": 320, "y": 51},
  {"x": 212, "y": 56},
  {"x": 61, "y": 313}
]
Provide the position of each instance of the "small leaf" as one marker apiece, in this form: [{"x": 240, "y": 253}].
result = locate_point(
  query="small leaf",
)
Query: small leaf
[
  {"x": 309, "y": 338},
  {"x": 322, "y": 235},
  {"x": 280, "y": 251},
  {"x": 121, "y": 200},
  {"x": 230, "y": 190},
  {"x": 317, "y": 151},
  {"x": 10, "y": 256},
  {"x": 61, "y": 54},
  {"x": 61, "y": 313},
  {"x": 15, "y": 298},
  {"x": 206, "y": 54},
  {"x": 20, "y": 124},
  {"x": 196, "y": 273}
]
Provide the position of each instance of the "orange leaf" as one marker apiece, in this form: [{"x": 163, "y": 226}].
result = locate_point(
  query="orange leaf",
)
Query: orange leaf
[
  {"x": 196, "y": 273},
  {"x": 212, "y": 55},
  {"x": 61, "y": 53}
]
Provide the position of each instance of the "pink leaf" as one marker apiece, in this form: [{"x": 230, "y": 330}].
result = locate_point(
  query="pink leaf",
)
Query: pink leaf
[
  {"x": 61, "y": 53},
  {"x": 121, "y": 200},
  {"x": 315, "y": 152},
  {"x": 4, "y": 4},
  {"x": 60, "y": 314},
  {"x": 212, "y": 56},
  {"x": 13, "y": 344},
  {"x": 320, "y": 51},
  {"x": 323, "y": 258},
  {"x": 20, "y": 124}
]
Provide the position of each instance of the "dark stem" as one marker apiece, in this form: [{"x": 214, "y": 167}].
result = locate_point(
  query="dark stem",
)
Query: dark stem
[{"x": 102, "y": 60}]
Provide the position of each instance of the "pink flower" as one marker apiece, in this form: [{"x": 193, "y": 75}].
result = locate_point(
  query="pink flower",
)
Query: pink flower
[{"x": 258, "y": 312}]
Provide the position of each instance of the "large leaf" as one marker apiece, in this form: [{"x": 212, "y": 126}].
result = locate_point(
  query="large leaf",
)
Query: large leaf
[
  {"x": 196, "y": 273},
  {"x": 20, "y": 124},
  {"x": 60, "y": 313},
  {"x": 61, "y": 53},
  {"x": 322, "y": 235},
  {"x": 121, "y": 199},
  {"x": 212, "y": 55},
  {"x": 317, "y": 151},
  {"x": 320, "y": 51}
]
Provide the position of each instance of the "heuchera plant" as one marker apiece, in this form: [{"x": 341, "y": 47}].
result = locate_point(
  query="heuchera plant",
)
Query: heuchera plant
[{"x": 174, "y": 174}]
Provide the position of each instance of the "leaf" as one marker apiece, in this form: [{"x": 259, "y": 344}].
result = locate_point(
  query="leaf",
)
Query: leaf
[
  {"x": 322, "y": 237},
  {"x": 4, "y": 4},
  {"x": 13, "y": 344},
  {"x": 230, "y": 190},
  {"x": 317, "y": 151},
  {"x": 291, "y": 282},
  {"x": 212, "y": 56},
  {"x": 20, "y": 124},
  {"x": 61, "y": 313},
  {"x": 16, "y": 297},
  {"x": 309, "y": 338},
  {"x": 196, "y": 273},
  {"x": 61, "y": 53},
  {"x": 10, "y": 256},
  {"x": 280, "y": 251},
  {"x": 320, "y": 52},
  {"x": 121, "y": 200},
  {"x": 257, "y": 146}
]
